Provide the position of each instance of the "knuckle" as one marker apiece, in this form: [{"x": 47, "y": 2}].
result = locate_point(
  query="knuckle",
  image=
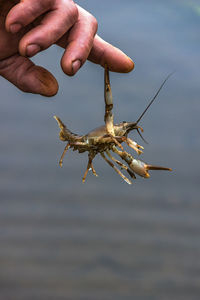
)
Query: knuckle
[
  {"x": 94, "y": 23},
  {"x": 74, "y": 12},
  {"x": 70, "y": 10}
]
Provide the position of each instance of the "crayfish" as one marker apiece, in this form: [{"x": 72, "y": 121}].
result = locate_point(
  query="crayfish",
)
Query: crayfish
[{"x": 110, "y": 137}]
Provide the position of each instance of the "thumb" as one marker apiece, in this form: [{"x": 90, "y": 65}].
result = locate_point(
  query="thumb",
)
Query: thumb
[{"x": 28, "y": 77}]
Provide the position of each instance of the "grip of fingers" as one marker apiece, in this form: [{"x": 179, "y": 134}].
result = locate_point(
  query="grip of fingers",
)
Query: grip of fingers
[{"x": 49, "y": 20}]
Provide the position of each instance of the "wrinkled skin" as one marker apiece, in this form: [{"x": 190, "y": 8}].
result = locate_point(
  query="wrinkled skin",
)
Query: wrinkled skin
[{"x": 30, "y": 26}]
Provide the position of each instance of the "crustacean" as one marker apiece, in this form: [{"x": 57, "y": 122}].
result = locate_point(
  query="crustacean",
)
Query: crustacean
[{"x": 110, "y": 137}]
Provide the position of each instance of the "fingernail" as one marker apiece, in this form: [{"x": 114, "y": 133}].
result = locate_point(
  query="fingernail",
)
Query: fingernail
[
  {"x": 76, "y": 66},
  {"x": 32, "y": 50},
  {"x": 14, "y": 28}
]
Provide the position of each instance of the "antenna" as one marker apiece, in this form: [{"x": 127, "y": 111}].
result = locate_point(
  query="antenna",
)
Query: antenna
[{"x": 153, "y": 98}]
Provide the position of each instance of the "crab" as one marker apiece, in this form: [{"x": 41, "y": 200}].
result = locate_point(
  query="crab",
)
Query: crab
[{"x": 109, "y": 138}]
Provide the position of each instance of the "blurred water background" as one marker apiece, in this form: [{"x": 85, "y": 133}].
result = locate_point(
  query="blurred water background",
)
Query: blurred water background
[{"x": 61, "y": 239}]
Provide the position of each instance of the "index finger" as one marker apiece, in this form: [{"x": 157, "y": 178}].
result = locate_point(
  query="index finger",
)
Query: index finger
[{"x": 103, "y": 53}]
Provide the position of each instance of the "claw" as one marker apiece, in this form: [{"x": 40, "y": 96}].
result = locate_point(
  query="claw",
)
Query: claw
[
  {"x": 141, "y": 168},
  {"x": 136, "y": 165},
  {"x": 151, "y": 167}
]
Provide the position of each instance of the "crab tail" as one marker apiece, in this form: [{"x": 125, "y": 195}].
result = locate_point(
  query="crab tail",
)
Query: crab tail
[
  {"x": 65, "y": 133},
  {"x": 60, "y": 123}
]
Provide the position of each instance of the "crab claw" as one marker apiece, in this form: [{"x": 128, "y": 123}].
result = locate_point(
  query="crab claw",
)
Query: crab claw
[{"x": 141, "y": 168}]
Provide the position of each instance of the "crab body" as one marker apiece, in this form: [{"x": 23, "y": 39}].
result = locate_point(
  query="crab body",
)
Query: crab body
[{"x": 109, "y": 137}]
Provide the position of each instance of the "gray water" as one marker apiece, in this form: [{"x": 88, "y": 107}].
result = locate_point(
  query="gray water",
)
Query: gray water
[{"x": 61, "y": 239}]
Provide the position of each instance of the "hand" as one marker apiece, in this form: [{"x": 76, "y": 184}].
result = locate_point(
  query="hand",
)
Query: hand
[{"x": 30, "y": 26}]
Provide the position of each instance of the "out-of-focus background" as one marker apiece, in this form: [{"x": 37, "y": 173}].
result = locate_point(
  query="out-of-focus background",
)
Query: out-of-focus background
[{"x": 61, "y": 239}]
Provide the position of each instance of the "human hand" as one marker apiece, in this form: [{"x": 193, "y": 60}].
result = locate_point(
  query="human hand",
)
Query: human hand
[{"x": 32, "y": 26}]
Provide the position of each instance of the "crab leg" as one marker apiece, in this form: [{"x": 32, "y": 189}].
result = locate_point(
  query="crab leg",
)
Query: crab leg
[
  {"x": 93, "y": 170},
  {"x": 108, "y": 103},
  {"x": 116, "y": 169},
  {"x": 134, "y": 145},
  {"x": 116, "y": 160},
  {"x": 130, "y": 143},
  {"x": 131, "y": 161},
  {"x": 89, "y": 166},
  {"x": 120, "y": 164},
  {"x": 108, "y": 118},
  {"x": 62, "y": 156}
]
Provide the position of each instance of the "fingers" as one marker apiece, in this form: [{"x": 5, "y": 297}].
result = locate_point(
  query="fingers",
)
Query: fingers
[
  {"x": 78, "y": 42},
  {"x": 104, "y": 53},
  {"x": 101, "y": 53},
  {"x": 60, "y": 16},
  {"x": 62, "y": 21},
  {"x": 56, "y": 18},
  {"x": 81, "y": 44},
  {"x": 27, "y": 77}
]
